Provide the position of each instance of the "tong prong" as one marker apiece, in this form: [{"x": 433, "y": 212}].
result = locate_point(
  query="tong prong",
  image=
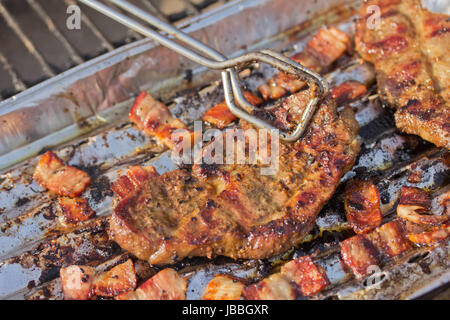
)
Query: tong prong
[{"x": 230, "y": 79}]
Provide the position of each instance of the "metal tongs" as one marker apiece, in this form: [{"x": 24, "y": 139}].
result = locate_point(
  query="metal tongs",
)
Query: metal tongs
[{"x": 230, "y": 79}]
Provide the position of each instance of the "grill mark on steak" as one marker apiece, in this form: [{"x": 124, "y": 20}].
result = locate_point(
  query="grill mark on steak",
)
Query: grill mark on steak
[
  {"x": 409, "y": 47},
  {"x": 236, "y": 211}
]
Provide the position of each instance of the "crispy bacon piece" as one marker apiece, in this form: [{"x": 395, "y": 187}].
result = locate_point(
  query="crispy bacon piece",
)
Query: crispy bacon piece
[
  {"x": 430, "y": 237},
  {"x": 321, "y": 51},
  {"x": 308, "y": 60},
  {"x": 416, "y": 214},
  {"x": 299, "y": 277},
  {"x": 275, "y": 287},
  {"x": 74, "y": 210},
  {"x": 134, "y": 178},
  {"x": 82, "y": 282},
  {"x": 223, "y": 287},
  {"x": 413, "y": 206},
  {"x": 155, "y": 119},
  {"x": 359, "y": 255},
  {"x": 165, "y": 285},
  {"x": 389, "y": 239},
  {"x": 221, "y": 116},
  {"x": 122, "y": 278},
  {"x": 348, "y": 91},
  {"x": 288, "y": 82},
  {"x": 444, "y": 202},
  {"x": 362, "y": 206},
  {"x": 52, "y": 174},
  {"x": 309, "y": 277},
  {"x": 415, "y": 196},
  {"x": 360, "y": 252},
  {"x": 77, "y": 282},
  {"x": 271, "y": 90},
  {"x": 415, "y": 176},
  {"x": 409, "y": 47},
  {"x": 328, "y": 45}
]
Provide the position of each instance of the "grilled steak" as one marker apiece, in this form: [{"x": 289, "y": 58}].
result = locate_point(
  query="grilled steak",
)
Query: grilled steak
[
  {"x": 232, "y": 209},
  {"x": 409, "y": 47}
]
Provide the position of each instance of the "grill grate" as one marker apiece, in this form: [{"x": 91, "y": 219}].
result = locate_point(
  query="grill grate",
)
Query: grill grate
[{"x": 37, "y": 45}]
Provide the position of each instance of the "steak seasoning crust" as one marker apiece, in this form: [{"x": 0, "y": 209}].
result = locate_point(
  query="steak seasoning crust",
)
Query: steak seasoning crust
[
  {"x": 409, "y": 47},
  {"x": 232, "y": 209}
]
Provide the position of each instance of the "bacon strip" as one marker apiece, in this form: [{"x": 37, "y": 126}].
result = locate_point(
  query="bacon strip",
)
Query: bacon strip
[
  {"x": 348, "y": 91},
  {"x": 77, "y": 282},
  {"x": 165, "y": 285},
  {"x": 328, "y": 45},
  {"x": 221, "y": 116},
  {"x": 390, "y": 239},
  {"x": 52, "y": 174},
  {"x": 155, "y": 119},
  {"x": 431, "y": 237},
  {"x": 321, "y": 51},
  {"x": 309, "y": 277},
  {"x": 122, "y": 278},
  {"x": 134, "y": 178},
  {"x": 362, "y": 206},
  {"x": 74, "y": 210},
  {"x": 414, "y": 203},
  {"x": 361, "y": 252},
  {"x": 299, "y": 277},
  {"x": 223, "y": 287},
  {"x": 82, "y": 282},
  {"x": 275, "y": 287},
  {"x": 359, "y": 255}
]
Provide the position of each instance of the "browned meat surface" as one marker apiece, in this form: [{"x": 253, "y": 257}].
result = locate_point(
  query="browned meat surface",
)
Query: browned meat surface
[
  {"x": 221, "y": 116},
  {"x": 122, "y": 278},
  {"x": 51, "y": 173},
  {"x": 390, "y": 239},
  {"x": 299, "y": 277},
  {"x": 328, "y": 45},
  {"x": 77, "y": 282},
  {"x": 74, "y": 210},
  {"x": 165, "y": 285},
  {"x": 363, "y": 252},
  {"x": 436, "y": 235},
  {"x": 308, "y": 277},
  {"x": 322, "y": 50},
  {"x": 224, "y": 287},
  {"x": 414, "y": 207},
  {"x": 82, "y": 282},
  {"x": 234, "y": 210},
  {"x": 359, "y": 255},
  {"x": 362, "y": 206},
  {"x": 135, "y": 177},
  {"x": 155, "y": 119},
  {"x": 348, "y": 91},
  {"x": 409, "y": 48},
  {"x": 275, "y": 287}
]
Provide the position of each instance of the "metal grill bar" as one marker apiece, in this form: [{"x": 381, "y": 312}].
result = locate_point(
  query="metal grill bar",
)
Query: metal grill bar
[
  {"x": 26, "y": 41},
  {"x": 94, "y": 40},
  {"x": 52, "y": 28},
  {"x": 18, "y": 84},
  {"x": 93, "y": 27}
]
